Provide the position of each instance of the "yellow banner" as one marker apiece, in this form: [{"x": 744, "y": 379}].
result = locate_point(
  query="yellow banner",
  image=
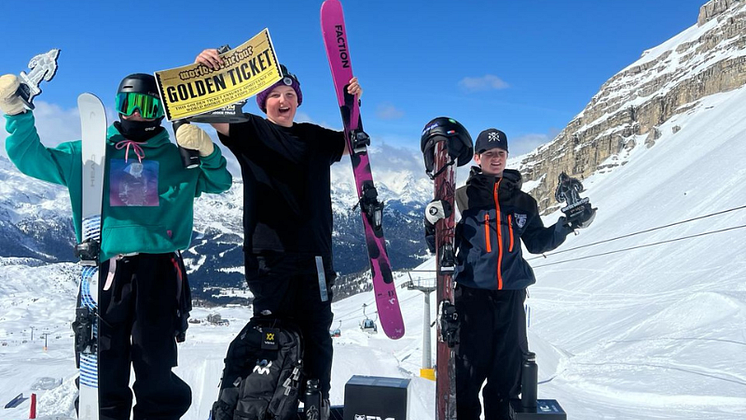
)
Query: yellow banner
[{"x": 195, "y": 89}]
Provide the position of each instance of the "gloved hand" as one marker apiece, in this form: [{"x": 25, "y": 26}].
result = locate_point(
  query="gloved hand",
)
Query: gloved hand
[
  {"x": 583, "y": 218},
  {"x": 10, "y": 102},
  {"x": 580, "y": 219},
  {"x": 563, "y": 226},
  {"x": 192, "y": 137},
  {"x": 435, "y": 210}
]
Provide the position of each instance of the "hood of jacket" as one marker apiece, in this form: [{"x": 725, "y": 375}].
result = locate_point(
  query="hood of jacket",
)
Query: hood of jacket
[
  {"x": 512, "y": 179},
  {"x": 113, "y": 136}
]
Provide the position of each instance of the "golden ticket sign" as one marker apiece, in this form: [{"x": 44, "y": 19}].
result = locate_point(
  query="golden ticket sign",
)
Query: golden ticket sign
[{"x": 195, "y": 89}]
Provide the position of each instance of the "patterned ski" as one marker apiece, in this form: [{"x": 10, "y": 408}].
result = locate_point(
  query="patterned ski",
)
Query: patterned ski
[
  {"x": 445, "y": 186},
  {"x": 445, "y": 144},
  {"x": 93, "y": 127},
  {"x": 335, "y": 40}
]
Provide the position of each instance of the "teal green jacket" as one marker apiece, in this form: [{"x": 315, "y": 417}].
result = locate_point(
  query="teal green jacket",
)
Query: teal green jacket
[{"x": 148, "y": 203}]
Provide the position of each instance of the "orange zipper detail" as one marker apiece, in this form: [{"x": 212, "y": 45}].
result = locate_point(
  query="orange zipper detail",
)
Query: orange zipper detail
[
  {"x": 510, "y": 229},
  {"x": 487, "y": 232},
  {"x": 499, "y": 238}
]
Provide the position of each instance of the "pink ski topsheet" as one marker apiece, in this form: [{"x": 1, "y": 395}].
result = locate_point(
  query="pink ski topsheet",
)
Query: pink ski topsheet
[{"x": 335, "y": 39}]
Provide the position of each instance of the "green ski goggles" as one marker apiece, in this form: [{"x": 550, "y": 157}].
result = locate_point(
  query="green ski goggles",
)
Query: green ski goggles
[{"x": 129, "y": 102}]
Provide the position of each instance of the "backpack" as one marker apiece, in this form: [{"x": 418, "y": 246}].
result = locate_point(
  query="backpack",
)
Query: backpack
[{"x": 262, "y": 374}]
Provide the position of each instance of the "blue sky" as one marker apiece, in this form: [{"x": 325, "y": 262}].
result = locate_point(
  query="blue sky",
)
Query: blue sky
[{"x": 526, "y": 67}]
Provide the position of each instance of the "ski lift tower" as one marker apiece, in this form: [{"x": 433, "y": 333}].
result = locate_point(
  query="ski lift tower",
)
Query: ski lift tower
[{"x": 426, "y": 286}]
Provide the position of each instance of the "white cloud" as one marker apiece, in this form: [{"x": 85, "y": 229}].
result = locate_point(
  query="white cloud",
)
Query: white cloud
[
  {"x": 526, "y": 143},
  {"x": 54, "y": 125},
  {"x": 387, "y": 111},
  {"x": 483, "y": 83},
  {"x": 391, "y": 165},
  {"x": 301, "y": 116}
]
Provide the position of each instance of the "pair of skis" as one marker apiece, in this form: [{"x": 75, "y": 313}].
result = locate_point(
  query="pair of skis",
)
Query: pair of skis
[{"x": 338, "y": 52}]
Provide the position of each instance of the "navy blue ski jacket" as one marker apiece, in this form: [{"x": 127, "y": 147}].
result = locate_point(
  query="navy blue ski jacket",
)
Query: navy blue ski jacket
[{"x": 495, "y": 216}]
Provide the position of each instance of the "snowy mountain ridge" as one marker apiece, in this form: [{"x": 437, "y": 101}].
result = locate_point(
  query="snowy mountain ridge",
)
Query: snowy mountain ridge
[
  {"x": 631, "y": 107},
  {"x": 35, "y": 221}
]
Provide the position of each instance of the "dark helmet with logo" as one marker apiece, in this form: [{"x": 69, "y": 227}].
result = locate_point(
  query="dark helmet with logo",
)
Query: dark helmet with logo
[
  {"x": 139, "y": 83},
  {"x": 458, "y": 142},
  {"x": 139, "y": 92}
]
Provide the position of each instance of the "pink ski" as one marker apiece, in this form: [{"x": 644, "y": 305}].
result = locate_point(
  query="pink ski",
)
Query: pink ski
[{"x": 337, "y": 50}]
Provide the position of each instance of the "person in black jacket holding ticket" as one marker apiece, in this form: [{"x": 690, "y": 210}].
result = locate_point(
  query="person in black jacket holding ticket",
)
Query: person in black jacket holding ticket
[{"x": 288, "y": 213}]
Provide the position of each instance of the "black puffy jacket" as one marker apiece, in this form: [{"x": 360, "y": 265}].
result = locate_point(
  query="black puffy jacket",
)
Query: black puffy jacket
[{"x": 495, "y": 215}]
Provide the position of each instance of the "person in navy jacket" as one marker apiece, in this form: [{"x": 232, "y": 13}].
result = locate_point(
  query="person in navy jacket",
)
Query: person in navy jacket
[{"x": 492, "y": 277}]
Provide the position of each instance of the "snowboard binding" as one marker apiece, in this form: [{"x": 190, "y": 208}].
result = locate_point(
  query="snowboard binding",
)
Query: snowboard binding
[
  {"x": 578, "y": 211},
  {"x": 371, "y": 206},
  {"x": 360, "y": 141},
  {"x": 85, "y": 341},
  {"x": 449, "y": 323},
  {"x": 88, "y": 252}
]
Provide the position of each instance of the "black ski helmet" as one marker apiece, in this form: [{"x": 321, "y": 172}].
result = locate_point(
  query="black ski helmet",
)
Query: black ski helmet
[
  {"x": 458, "y": 141},
  {"x": 139, "y": 83},
  {"x": 139, "y": 131}
]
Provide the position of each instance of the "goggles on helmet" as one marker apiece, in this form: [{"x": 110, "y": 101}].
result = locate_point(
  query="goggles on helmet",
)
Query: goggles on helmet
[
  {"x": 149, "y": 106},
  {"x": 287, "y": 77}
]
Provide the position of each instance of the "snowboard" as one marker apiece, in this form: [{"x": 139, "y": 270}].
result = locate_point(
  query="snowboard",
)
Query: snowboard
[
  {"x": 337, "y": 50},
  {"x": 445, "y": 186},
  {"x": 93, "y": 146},
  {"x": 445, "y": 145}
]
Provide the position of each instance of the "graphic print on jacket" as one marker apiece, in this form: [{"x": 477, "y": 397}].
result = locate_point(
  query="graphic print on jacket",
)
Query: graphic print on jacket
[{"x": 495, "y": 216}]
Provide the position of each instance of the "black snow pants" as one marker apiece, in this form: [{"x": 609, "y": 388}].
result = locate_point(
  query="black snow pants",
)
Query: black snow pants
[
  {"x": 492, "y": 342},
  {"x": 139, "y": 324},
  {"x": 287, "y": 286}
]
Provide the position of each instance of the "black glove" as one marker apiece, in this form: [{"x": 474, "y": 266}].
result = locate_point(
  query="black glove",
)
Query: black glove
[
  {"x": 579, "y": 218},
  {"x": 563, "y": 227}
]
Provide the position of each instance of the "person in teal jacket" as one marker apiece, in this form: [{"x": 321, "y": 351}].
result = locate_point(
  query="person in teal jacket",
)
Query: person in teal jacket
[{"x": 147, "y": 219}]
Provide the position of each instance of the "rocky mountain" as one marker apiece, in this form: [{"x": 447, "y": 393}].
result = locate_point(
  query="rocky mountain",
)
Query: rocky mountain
[{"x": 667, "y": 80}]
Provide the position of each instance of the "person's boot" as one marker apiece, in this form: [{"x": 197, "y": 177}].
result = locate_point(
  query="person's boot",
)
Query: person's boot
[
  {"x": 325, "y": 409},
  {"x": 501, "y": 410}
]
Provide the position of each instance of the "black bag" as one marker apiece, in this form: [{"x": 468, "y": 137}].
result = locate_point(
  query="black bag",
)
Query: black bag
[{"x": 262, "y": 374}]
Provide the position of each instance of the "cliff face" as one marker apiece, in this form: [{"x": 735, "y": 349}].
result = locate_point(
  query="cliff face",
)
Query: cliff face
[{"x": 705, "y": 59}]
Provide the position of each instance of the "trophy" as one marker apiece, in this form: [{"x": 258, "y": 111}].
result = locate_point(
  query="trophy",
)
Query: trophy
[
  {"x": 42, "y": 67},
  {"x": 578, "y": 211}
]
